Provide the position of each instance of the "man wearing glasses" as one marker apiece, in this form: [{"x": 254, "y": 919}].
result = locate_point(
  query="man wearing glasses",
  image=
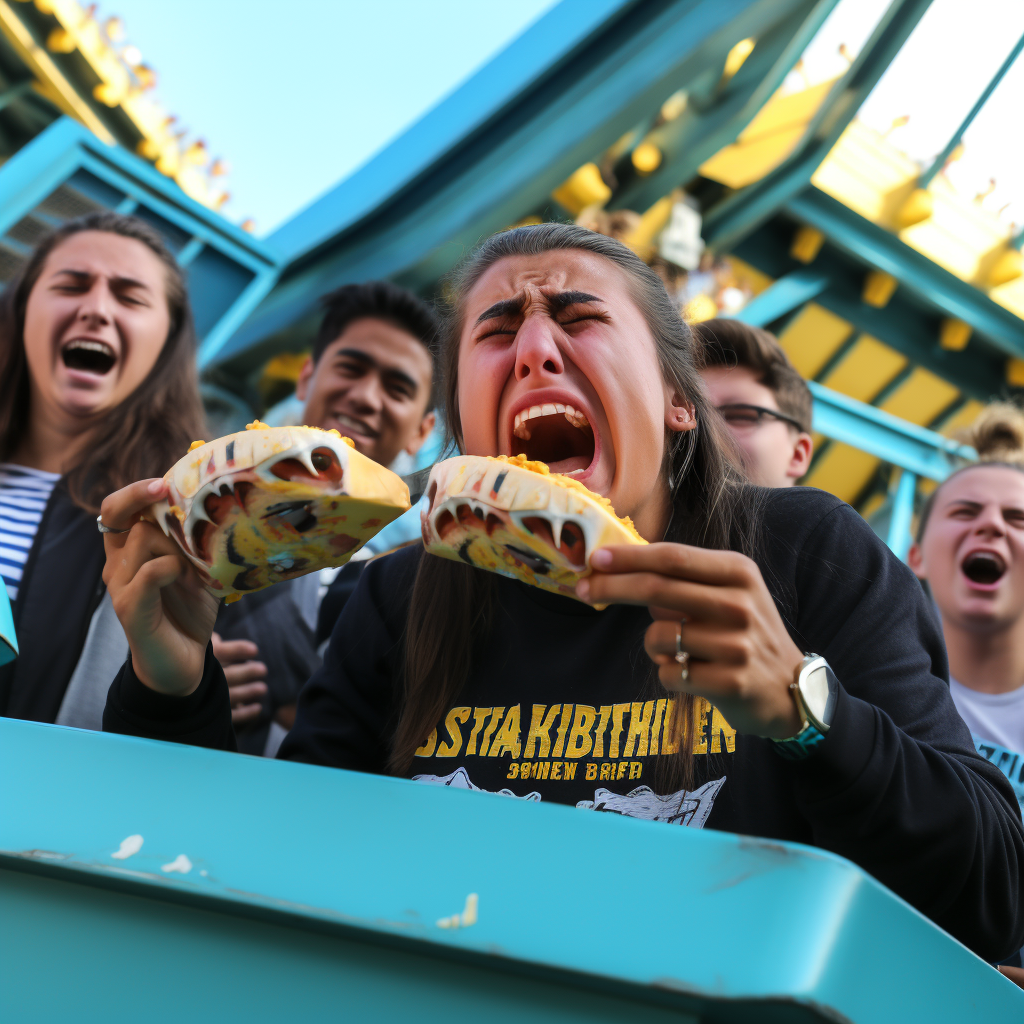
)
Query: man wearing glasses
[{"x": 765, "y": 403}]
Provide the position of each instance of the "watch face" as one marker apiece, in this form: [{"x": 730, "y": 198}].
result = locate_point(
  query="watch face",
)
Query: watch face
[{"x": 819, "y": 692}]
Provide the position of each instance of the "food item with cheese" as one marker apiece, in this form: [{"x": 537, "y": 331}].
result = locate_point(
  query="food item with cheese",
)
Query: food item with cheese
[
  {"x": 271, "y": 503},
  {"x": 514, "y": 517}
]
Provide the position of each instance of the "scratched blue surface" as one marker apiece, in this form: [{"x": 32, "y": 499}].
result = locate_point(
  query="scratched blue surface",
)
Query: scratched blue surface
[{"x": 646, "y": 907}]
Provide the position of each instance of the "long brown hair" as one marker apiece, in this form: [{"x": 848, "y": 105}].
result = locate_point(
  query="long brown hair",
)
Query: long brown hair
[
  {"x": 451, "y": 603},
  {"x": 152, "y": 428}
]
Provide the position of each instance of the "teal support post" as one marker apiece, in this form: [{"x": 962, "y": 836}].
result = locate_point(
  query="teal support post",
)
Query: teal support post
[
  {"x": 172, "y": 883},
  {"x": 899, "y": 537},
  {"x": 8, "y": 639}
]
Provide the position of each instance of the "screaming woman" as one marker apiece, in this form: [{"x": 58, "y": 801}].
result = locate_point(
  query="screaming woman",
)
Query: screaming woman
[{"x": 699, "y": 696}]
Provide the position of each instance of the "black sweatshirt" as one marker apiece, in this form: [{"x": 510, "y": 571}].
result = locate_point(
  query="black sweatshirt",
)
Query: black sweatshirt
[{"x": 562, "y": 705}]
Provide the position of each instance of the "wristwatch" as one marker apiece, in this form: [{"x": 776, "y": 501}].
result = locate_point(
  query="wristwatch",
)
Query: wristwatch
[{"x": 815, "y": 691}]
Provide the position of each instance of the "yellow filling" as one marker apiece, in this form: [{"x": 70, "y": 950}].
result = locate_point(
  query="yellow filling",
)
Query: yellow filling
[{"x": 541, "y": 468}]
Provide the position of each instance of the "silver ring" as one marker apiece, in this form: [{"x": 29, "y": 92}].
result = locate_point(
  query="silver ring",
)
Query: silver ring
[
  {"x": 682, "y": 657},
  {"x": 103, "y": 528}
]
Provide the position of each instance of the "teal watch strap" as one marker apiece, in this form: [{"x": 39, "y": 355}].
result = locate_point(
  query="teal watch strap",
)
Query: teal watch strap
[{"x": 800, "y": 746}]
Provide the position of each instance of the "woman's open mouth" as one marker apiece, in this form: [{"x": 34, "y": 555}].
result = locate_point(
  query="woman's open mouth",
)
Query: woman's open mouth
[
  {"x": 983, "y": 567},
  {"x": 559, "y": 435},
  {"x": 89, "y": 356}
]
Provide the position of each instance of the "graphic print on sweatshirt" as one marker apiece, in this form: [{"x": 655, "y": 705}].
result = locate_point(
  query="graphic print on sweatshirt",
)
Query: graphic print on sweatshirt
[
  {"x": 600, "y": 758},
  {"x": 684, "y": 807}
]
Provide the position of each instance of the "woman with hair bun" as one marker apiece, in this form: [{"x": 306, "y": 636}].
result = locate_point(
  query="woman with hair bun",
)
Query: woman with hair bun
[
  {"x": 97, "y": 387},
  {"x": 970, "y": 550}
]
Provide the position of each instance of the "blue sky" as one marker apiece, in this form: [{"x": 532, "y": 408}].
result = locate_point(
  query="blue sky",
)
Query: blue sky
[{"x": 295, "y": 96}]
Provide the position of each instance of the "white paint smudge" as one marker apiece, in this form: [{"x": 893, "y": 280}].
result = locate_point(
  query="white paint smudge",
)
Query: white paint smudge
[
  {"x": 203, "y": 872},
  {"x": 180, "y": 863},
  {"x": 128, "y": 848},
  {"x": 466, "y": 918}
]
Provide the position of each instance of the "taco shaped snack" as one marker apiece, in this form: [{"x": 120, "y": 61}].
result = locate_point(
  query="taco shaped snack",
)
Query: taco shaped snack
[
  {"x": 272, "y": 503},
  {"x": 517, "y": 518}
]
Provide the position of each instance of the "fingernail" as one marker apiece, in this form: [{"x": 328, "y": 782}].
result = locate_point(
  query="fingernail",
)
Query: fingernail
[
  {"x": 583, "y": 589},
  {"x": 155, "y": 486},
  {"x": 601, "y": 559}
]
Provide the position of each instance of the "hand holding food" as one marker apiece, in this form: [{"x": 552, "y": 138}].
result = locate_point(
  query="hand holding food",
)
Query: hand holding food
[
  {"x": 271, "y": 503},
  {"x": 515, "y": 517},
  {"x": 165, "y": 608},
  {"x": 717, "y": 632}
]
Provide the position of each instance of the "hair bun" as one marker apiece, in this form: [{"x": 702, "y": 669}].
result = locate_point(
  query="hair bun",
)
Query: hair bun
[{"x": 997, "y": 435}]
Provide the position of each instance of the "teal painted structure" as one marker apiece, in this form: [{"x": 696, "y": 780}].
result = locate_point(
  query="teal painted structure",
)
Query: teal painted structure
[
  {"x": 65, "y": 172},
  {"x": 492, "y": 152},
  {"x": 8, "y": 638},
  {"x": 315, "y": 894}
]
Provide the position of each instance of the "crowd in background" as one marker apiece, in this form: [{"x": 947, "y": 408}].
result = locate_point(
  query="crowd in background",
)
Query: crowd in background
[{"x": 98, "y": 389}]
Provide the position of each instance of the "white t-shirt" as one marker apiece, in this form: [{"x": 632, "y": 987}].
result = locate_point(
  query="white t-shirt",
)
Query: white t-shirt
[{"x": 996, "y": 721}]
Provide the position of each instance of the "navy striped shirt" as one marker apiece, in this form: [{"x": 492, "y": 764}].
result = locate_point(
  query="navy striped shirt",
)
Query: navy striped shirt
[{"x": 23, "y": 496}]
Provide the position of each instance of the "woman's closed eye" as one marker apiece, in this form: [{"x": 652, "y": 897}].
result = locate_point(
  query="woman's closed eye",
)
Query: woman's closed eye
[
  {"x": 577, "y": 316},
  {"x": 496, "y": 330}
]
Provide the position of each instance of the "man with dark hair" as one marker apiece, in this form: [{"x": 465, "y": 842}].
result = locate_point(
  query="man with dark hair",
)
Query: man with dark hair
[
  {"x": 370, "y": 377},
  {"x": 765, "y": 402}
]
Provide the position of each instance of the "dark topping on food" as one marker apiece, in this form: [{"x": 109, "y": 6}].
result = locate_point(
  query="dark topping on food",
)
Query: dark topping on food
[
  {"x": 233, "y": 556},
  {"x": 296, "y": 514},
  {"x": 532, "y": 561}
]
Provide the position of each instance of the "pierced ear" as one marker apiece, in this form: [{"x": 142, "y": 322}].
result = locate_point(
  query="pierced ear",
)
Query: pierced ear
[{"x": 679, "y": 413}]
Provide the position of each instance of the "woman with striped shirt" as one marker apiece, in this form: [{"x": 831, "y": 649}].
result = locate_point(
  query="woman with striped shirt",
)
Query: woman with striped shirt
[{"x": 97, "y": 388}]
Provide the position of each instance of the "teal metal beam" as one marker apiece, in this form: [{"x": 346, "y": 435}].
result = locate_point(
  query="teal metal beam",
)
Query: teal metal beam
[
  {"x": 880, "y": 249},
  {"x": 157, "y": 861},
  {"x": 940, "y": 161},
  {"x": 726, "y": 224},
  {"x": 907, "y": 323},
  {"x": 495, "y": 150},
  {"x": 229, "y": 272},
  {"x": 887, "y": 437},
  {"x": 791, "y": 292},
  {"x": 706, "y": 127}
]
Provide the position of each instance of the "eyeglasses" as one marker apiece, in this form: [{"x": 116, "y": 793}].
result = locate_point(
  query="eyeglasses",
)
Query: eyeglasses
[{"x": 747, "y": 417}]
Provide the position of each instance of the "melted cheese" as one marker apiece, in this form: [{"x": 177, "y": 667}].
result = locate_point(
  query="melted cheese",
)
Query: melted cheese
[{"x": 541, "y": 468}]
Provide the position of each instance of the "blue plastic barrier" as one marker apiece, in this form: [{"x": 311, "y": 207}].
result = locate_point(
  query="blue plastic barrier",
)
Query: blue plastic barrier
[{"x": 142, "y": 881}]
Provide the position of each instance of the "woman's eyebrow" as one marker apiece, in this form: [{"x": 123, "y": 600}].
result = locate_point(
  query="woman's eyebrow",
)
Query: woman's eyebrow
[
  {"x": 118, "y": 282},
  {"x": 506, "y": 307},
  {"x": 556, "y": 303}
]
